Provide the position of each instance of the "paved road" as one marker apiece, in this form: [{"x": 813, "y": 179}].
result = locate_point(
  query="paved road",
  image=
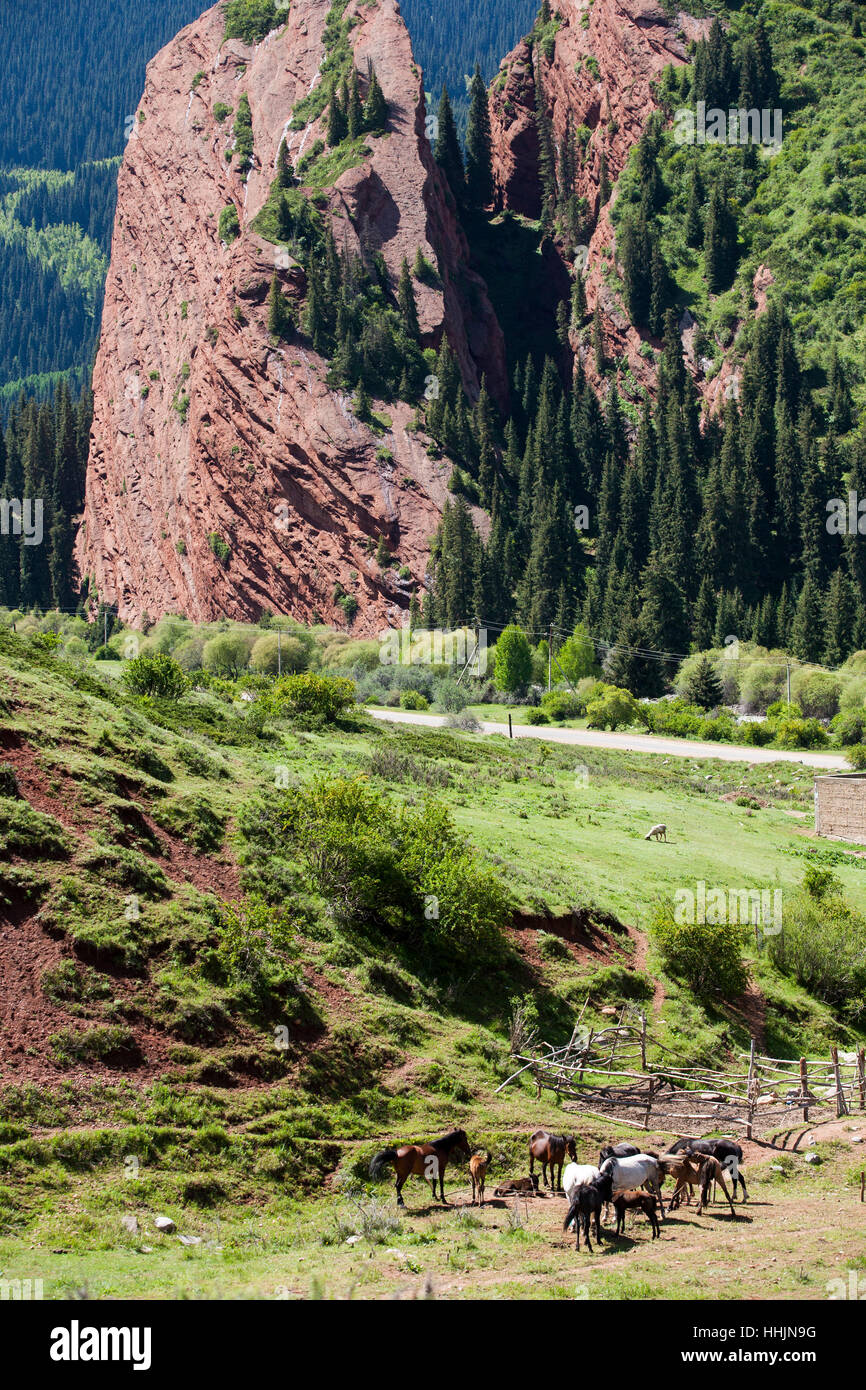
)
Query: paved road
[{"x": 631, "y": 743}]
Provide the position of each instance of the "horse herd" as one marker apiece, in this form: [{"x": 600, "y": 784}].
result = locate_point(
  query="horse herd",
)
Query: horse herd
[{"x": 626, "y": 1177}]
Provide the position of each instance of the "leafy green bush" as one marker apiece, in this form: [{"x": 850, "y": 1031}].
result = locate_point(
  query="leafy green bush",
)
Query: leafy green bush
[
  {"x": 706, "y": 955},
  {"x": 404, "y": 872},
  {"x": 157, "y": 676},
  {"x": 822, "y": 946},
  {"x": 800, "y": 733},
  {"x": 316, "y": 699},
  {"x": 856, "y": 756},
  {"x": 229, "y": 224},
  {"x": 280, "y": 654},
  {"x": 560, "y": 704},
  {"x": 413, "y": 699},
  {"x": 613, "y": 709},
  {"x": 227, "y": 654},
  {"x": 251, "y": 20},
  {"x": 537, "y": 716}
]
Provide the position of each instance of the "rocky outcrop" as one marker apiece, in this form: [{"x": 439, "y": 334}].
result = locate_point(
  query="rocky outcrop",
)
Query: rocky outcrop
[
  {"x": 224, "y": 475},
  {"x": 606, "y": 56}
]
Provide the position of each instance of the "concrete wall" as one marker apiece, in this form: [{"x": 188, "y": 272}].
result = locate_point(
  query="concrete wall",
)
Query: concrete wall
[{"x": 840, "y": 807}]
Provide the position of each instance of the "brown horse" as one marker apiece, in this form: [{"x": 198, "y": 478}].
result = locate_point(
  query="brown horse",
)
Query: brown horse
[
  {"x": 552, "y": 1149},
  {"x": 421, "y": 1161}
]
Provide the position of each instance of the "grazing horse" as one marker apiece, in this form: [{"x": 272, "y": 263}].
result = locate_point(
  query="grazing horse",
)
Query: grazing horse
[
  {"x": 422, "y": 1161},
  {"x": 727, "y": 1151},
  {"x": 630, "y": 1174},
  {"x": 551, "y": 1149},
  {"x": 624, "y": 1150}
]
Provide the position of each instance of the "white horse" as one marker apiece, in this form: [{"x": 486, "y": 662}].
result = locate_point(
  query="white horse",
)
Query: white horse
[
  {"x": 575, "y": 1176},
  {"x": 630, "y": 1174}
]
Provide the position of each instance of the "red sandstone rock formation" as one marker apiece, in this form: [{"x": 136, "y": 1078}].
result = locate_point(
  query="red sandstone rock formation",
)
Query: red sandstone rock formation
[
  {"x": 601, "y": 75},
  {"x": 268, "y": 461}
]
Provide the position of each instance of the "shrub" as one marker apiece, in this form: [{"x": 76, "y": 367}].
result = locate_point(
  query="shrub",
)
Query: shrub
[
  {"x": 707, "y": 956},
  {"x": 413, "y": 699},
  {"x": 273, "y": 654},
  {"x": 856, "y": 756},
  {"x": 755, "y": 734},
  {"x": 158, "y": 676},
  {"x": 407, "y": 873},
  {"x": 801, "y": 733},
  {"x": 318, "y": 699},
  {"x": 614, "y": 708},
  {"x": 849, "y": 726},
  {"x": 817, "y": 693},
  {"x": 229, "y": 224},
  {"x": 227, "y": 654},
  {"x": 219, "y": 547},
  {"x": 251, "y": 20},
  {"x": 451, "y": 697},
  {"x": 761, "y": 683},
  {"x": 560, "y": 704},
  {"x": 537, "y": 716},
  {"x": 822, "y": 946}
]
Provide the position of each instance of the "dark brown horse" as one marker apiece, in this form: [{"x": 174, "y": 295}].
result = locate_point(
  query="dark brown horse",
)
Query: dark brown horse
[
  {"x": 551, "y": 1149},
  {"x": 422, "y": 1161}
]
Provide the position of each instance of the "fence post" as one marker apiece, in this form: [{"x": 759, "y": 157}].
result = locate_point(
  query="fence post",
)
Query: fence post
[
  {"x": 584, "y": 1055},
  {"x": 861, "y": 1075},
  {"x": 804, "y": 1088},
  {"x": 841, "y": 1107},
  {"x": 643, "y": 1042},
  {"x": 649, "y": 1103},
  {"x": 751, "y": 1090}
]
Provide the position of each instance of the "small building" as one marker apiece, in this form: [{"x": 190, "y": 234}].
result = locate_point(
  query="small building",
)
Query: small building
[{"x": 840, "y": 806}]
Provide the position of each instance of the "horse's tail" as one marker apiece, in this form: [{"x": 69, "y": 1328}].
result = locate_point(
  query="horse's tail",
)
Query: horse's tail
[
  {"x": 572, "y": 1214},
  {"x": 381, "y": 1161}
]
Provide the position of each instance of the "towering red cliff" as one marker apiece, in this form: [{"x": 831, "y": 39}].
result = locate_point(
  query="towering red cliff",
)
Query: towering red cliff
[
  {"x": 224, "y": 475},
  {"x": 606, "y": 56}
]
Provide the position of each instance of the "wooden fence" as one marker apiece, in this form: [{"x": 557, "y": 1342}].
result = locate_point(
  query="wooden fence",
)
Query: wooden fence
[{"x": 608, "y": 1073}]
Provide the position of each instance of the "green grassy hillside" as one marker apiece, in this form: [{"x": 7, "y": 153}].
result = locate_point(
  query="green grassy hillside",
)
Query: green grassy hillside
[{"x": 205, "y": 1028}]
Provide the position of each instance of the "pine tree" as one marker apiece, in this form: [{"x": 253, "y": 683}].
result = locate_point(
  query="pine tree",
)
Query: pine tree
[
  {"x": 704, "y": 616},
  {"x": 447, "y": 152},
  {"x": 280, "y": 320},
  {"x": 598, "y": 341},
  {"x": 354, "y": 111},
  {"x": 703, "y": 686},
  {"x": 406, "y": 300},
  {"x": 694, "y": 226},
  {"x": 720, "y": 241},
  {"x": 338, "y": 126},
  {"x": 840, "y": 620},
  {"x": 284, "y": 177},
  {"x": 375, "y": 116},
  {"x": 806, "y": 629},
  {"x": 479, "y": 165}
]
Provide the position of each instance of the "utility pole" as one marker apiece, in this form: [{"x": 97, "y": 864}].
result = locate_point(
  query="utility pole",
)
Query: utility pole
[
  {"x": 549, "y": 653},
  {"x": 105, "y": 627},
  {"x": 279, "y": 652},
  {"x": 788, "y": 676}
]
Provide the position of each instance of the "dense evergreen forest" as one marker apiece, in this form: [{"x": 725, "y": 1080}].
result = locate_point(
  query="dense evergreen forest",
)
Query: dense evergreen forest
[
  {"x": 450, "y": 36},
  {"x": 43, "y": 456},
  {"x": 65, "y": 105}
]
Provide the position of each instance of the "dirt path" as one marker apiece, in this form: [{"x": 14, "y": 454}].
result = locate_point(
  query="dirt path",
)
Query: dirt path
[{"x": 629, "y": 743}]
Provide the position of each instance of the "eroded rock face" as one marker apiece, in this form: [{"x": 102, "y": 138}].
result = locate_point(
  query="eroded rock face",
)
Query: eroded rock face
[
  {"x": 606, "y": 57},
  {"x": 268, "y": 462}
]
